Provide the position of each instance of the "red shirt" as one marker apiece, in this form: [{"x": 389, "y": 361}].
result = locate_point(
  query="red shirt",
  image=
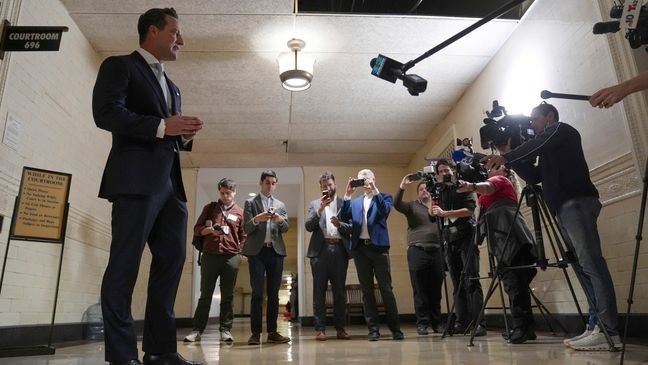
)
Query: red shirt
[{"x": 505, "y": 190}]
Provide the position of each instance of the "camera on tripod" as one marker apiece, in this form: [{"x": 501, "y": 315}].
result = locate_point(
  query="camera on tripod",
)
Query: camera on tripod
[
  {"x": 500, "y": 127},
  {"x": 469, "y": 167},
  {"x": 631, "y": 14}
]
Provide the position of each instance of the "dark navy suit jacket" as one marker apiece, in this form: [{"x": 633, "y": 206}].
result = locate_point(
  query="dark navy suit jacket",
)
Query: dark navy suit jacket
[
  {"x": 317, "y": 225},
  {"x": 377, "y": 214},
  {"x": 139, "y": 163}
]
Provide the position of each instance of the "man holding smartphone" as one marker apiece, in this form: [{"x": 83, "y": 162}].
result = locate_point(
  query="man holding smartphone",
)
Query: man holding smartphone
[
  {"x": 266, "y": 220},
  {"x": 329, "y": 256},
  {"x": 370, "y": 247}
]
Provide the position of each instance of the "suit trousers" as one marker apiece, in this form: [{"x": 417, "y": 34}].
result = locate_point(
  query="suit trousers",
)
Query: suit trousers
[
  {"x": 462, "y": 254},
  {"x": 214, "y": 266},
  {"x": 426, "y": 275},
  {"x": 369, "y": 261},
  {"x": 268, "y": 265},
  {"x": 161, "y": 220},
  {"x": 331, "y": 264}
]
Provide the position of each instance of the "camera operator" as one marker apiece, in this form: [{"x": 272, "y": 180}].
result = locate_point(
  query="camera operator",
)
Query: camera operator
[
  {"x": 458, "y": 230},
  {"x": 423, "y": 256},
  {"x": 498, "y": 206},
  {"x": 571, "y": 196},
  {"x": 607, "y": 97}
]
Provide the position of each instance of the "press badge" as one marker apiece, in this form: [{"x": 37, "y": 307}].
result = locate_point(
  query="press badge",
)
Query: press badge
[
  {"x": 225, "y": 230},
  {"x": 232, "y": 217}
]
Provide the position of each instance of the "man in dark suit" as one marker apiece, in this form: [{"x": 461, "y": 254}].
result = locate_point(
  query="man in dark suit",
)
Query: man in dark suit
[
  {"x": 134, "y": 100},
  {"x": 370, "y": 246},
  {"x": 329, "y": 256},
  {"x": 265, "y": 219}
]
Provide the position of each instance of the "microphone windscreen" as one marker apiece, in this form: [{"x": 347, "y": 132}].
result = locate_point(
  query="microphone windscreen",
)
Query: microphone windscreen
[
  {"x": 606, "y": 27},
  {"x": 546, "y": 94}
]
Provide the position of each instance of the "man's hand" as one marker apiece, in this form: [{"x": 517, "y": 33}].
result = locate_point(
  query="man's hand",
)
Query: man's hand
[
  {"x": 277, "y": 218},
  {"x": 262, "y": 217},
  {"x": 335, "y": 221},
  {"x": 464, "y": 187},
  {"x": 324, "y": 201},
  {"x": 494, "y": 161},
  {"x": 185, "y": 126},
  {"x": 349, "y": 188},
  {"x": 606, "y": 98},
  {"x": 406, "y": 181},
  {"x": 436, "y": 210}
]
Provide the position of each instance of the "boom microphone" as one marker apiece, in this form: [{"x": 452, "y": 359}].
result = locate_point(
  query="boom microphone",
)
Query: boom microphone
[
  {"x": 546, "y": 94},
  {"x": 606, "y": 27}
]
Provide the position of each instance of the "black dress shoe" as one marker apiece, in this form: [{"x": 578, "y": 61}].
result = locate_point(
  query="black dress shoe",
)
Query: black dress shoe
[
  {"x": 459, "y": 329},
  {"x": 168, "y": 359},
  {"x": 422, "y": 331},
  {"x": 480, "y": 331},
  {"x": 522, "y": 335},
  {"x": 398, "y": 335},
  {"x": 129, "y": 362},
  {"x": 439, "y": 328}
]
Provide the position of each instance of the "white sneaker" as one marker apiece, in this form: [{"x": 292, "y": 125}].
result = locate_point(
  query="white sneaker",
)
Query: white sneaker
[
  {"x": 226, "y": 336},
  {"x": 582, "y": 335},
  {"x": 595, "y": 342},
  {"x": 194, "y": 336}
]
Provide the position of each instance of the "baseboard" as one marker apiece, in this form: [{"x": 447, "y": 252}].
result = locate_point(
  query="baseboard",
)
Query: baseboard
[{"x": 38, "y": 335}]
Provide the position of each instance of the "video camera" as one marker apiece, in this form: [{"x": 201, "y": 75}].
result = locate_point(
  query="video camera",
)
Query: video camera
[
  {"x": 634, "y": 16},
  {"x": 469, "y": 167},
  {"x": 497, "y": 132}
]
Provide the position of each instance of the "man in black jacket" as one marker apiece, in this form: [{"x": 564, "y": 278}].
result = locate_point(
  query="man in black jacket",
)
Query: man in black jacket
[{"x": 571, "y": 196}]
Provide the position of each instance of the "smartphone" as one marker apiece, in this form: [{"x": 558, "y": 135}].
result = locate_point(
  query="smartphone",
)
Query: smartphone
[
  {"x": 357, "y": 183},
  {"x": 328, "y": 193}
]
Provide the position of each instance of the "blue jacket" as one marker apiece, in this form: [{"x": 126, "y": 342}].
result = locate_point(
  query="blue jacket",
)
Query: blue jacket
[{"x": 379, "y": 209}]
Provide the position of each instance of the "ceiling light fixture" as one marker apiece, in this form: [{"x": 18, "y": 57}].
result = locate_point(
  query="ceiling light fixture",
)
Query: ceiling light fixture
[{"x": 295, "y": 68}]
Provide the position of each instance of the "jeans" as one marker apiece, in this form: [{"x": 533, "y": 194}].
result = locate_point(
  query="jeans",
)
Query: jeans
[
  {"x": 577, "y": 218},
  {"x": 268, "y": 265}
]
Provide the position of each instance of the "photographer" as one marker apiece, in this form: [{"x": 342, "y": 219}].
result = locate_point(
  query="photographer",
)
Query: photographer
[
  {"x": 329, "y": 256},
  {"x": 458, "y": 230},
  {"x": 368, "y": 215},
  {"x": 423, "y": 256},
  {"x": 571, "y": 196},
  {"x": 221, "y": 225},
  {"x": 498, "y": 206}
]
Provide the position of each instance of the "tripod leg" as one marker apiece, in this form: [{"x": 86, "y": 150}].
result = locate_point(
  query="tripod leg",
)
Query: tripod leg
[
  {"x": 489, "y": 293},
  {"x": 507, "y": 328},
  {"x": 633, "y": 276}
]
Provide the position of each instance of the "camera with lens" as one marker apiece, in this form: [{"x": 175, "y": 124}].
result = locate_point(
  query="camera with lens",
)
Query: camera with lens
[
  {"x": 634, "y": 15},
  {"x": 469, "y": 168},
  {"x": 501, "y": 127}
]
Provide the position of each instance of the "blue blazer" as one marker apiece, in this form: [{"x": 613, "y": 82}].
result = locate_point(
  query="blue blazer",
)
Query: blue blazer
[
  {"x": 127, "y": 101},
  {"x": 379, "y": 209}
]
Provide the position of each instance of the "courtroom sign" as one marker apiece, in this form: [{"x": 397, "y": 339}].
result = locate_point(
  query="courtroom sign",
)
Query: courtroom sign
[
  {"x": 40, "y": 213},
  {"x": 31, "y": 38}
]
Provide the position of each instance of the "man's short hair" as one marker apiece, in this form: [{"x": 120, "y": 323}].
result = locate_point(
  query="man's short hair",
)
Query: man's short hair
[
  {"x": 155, "y": 16},
  {"x": 326, "y": 176},
  {"x": 227, "y": 183},
  {"x": 422, "y": 182},
  {"x": 367, "y": 173},
  {"x": 268, "y": 173},
  {"x": 442, "y": 161},
  {"x": 545, "y": 108}
]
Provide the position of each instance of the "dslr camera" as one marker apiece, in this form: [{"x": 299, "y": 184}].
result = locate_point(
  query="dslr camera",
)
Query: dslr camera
[{"x": 500, "y": 127}]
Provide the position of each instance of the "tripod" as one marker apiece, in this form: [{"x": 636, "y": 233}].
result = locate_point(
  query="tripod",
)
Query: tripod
[
  {"x": 633, "y": 276},
  {"x": 539, "y": 211}
]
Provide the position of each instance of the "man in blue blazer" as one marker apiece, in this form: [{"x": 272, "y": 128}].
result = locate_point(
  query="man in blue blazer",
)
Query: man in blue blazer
[
  {"x": 370, "y": 246},
  {"x": 135, "y": 101}
]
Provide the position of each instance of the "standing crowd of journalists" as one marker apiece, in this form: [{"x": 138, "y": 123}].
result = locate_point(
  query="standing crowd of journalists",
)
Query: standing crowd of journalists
[{"x": 136, "y": 102}]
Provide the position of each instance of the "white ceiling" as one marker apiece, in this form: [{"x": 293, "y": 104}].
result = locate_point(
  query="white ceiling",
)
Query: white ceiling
[{"x": 229, "y": 77}]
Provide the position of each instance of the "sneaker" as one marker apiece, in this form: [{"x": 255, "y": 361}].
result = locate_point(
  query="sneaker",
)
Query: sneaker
[
  {"x": 255, "y": 339},
  {"x": 275, "y": 337},
  {"x": 595, "y": 342},
  {"x": 226, "y": 336},
  {"x": 582, "y": 335},
  {"x": 194, "y": 336},
  {"x": 320, "y": 336}
]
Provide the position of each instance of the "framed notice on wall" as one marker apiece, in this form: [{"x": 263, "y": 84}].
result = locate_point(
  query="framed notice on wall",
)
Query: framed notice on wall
[{"x": 41, "y": 206}]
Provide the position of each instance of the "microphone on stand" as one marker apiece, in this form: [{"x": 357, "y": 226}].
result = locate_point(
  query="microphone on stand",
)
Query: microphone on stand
[{"x": 546, "y": 94}]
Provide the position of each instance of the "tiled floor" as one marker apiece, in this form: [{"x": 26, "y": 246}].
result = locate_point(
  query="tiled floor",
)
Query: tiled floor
[{"x": 304, "y": 349}]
